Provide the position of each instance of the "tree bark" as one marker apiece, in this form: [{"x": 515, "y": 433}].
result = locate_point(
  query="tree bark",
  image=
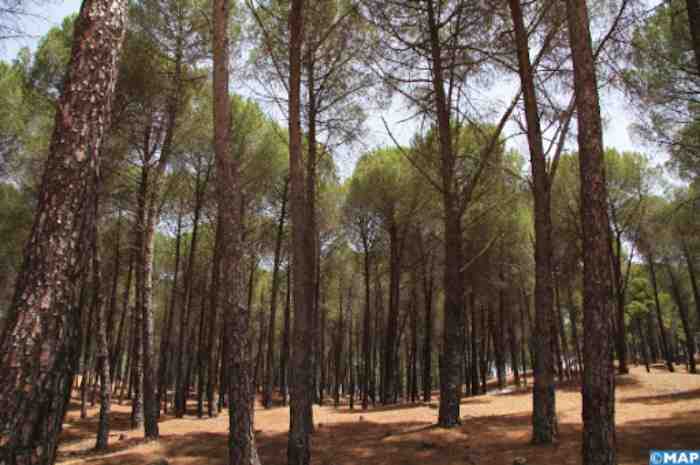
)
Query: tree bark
[
  {"x": 450, "y": 387},
  {"x": 544, "y": 417},
  {"x": 599, "y": 371},
  {"x": 242, "y": 448},
  {"x": 39, "y": 346},
  {"x": 102, "y": 362},
  {"x": 303, "y": 250}
]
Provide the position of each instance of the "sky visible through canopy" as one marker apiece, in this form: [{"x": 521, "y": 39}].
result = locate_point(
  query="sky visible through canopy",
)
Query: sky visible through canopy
[{"x": 616, "y": 113}]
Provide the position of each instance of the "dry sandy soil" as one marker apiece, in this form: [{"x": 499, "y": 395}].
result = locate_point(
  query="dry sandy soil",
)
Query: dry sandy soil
[{"x": 654, "y": 410}]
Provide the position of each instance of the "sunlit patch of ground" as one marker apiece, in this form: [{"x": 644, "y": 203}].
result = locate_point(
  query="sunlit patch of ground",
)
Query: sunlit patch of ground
[{"x": 654, "y": 410}]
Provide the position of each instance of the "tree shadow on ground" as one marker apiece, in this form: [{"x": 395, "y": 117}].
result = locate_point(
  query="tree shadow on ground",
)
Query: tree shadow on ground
[
  {"x": 380, "y": 408},
  {"x": 665, "y": 398}
]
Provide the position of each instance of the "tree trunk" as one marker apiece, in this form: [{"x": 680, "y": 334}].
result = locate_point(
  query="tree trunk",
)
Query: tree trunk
[
  {"x": 665, "y": 349},
  {"x": 303, "y": 251},
  {"x": 428, "y": 281},
  {"x": 366, "y": 320},
  {"x": 181, "y": 376},
  {"x": 693, "y": 280},
  {"x": 267, "y": 393},
  {"x": 544, "y": 417},
  {"x": 390, "y": 353},
  {"x": 450, "y": 387},
  {"x": 40, "y": 340},
  {"x": 242, "y": 449},
  {"x": 285, "y": 349},
  {"x": 599, "y": 371},
  {"x": 693, "y": 7},
  {"x": 620, "y": 333},
  {"x": 683, "y": 312},
  {"x": 150, "y": 404},
  {"x": 165, "y": 342},
  {"x": 216, "y": 327},
  {"x": 102, "y": 362}
]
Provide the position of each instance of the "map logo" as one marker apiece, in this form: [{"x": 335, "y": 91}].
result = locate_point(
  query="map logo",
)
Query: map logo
[{"x": 673, "y": 457}]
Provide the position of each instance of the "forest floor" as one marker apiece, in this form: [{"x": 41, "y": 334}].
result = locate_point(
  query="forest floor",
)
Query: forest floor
[{"x": 653, "y": 410}]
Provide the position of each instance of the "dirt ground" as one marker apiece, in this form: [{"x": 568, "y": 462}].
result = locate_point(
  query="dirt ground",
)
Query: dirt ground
[{"x": 653, "y": 410}]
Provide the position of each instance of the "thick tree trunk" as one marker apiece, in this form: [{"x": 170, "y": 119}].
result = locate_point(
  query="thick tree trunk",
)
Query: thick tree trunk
[
  {"x": 303, "y": 251},
  {"x": 40, "y": 340},
  {"x": 599, "y": 371},
  {"x": 242, "y": 449},
  {"x": 450, "y": 387}
]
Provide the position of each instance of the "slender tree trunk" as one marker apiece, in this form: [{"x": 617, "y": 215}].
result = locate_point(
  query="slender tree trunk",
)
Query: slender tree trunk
[
  {"x": 391, "y": 338},
  {"x": 182, "y": 367},
  {"x": 513, "y": 341},
  {"x": 599, "y": 371},
  {"x": 87, "y": 352},
  {"x": 366, "y": 320},
  {"x": 544, "y": 417},
  {"x": 102, "y": 362},
  {"x": 150, "y": 404},
  {"x": 659, "y": 318},
  {"x": 475, "y": 343},
  {"x": 285, "y": 349},
  {"x": 573, "y": 318},
  {"x": 683, "y": 312},
  {"x": 116, "y": 353},
  {"x": 428, "y": 332},
  {"x": 693, "y": 280},
  {"x": 267, "y": 393},
  {"x": 642, "y": 343},
  {"x": 620, "y": 333},
  {"x": 339, "y": 343},
  {"x": 216, "y": 327},
  {"x": 163, "y": 383}
]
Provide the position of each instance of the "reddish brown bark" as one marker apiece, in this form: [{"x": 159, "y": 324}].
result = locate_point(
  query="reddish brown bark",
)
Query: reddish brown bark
[
  {"x": 39, "y": 344},
  {"x": 598, "y": 335}
]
